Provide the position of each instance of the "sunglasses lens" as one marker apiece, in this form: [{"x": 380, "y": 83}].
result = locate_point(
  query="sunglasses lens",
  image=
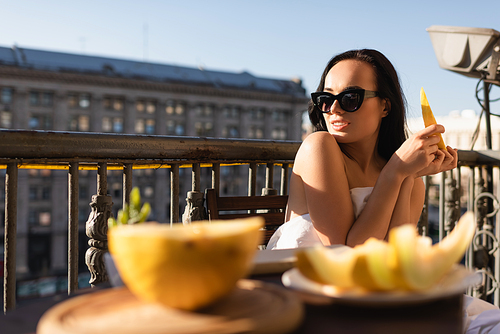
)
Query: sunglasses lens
[
  {"x": 324, "y": 102},
  {"x": 350, "y": 101}
]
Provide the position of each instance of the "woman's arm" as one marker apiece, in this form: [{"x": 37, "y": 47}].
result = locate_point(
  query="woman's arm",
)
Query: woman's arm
[
  {"x": 319, "y": 165},
  {"x": 319, "y": 186},
  {"x": 409, "y": 204}
]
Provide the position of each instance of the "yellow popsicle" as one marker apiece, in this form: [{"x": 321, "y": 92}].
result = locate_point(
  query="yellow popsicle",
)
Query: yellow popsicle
[{"x": 429, "y": 116}]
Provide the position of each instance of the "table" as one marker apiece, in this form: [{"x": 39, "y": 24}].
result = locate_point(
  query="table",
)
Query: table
[
  {"x": 437, "y": 317},
  {"x": 442, "y": 316}
]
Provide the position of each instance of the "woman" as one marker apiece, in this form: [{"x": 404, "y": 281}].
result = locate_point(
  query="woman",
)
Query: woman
[{"x": 358, "y": 175}]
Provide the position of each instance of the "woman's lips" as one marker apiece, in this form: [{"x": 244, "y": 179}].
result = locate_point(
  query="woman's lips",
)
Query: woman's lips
[{"x": 338, "y": 125}]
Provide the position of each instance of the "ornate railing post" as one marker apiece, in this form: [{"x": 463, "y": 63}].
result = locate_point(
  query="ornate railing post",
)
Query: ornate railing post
[
  {"x": 97, "y": 228},
  {"x": 452, "y": 203},
  {"x": 485, "y": 245},
  {"x": 423, "y": 222},
  {"x": 195, "y": 207},
  {"x": 195, "y": 200}
]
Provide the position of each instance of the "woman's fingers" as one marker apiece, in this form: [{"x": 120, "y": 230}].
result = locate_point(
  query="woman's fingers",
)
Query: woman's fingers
[
  {"x": 442, "y": 161},
  {"x": 431, "y": 130}
]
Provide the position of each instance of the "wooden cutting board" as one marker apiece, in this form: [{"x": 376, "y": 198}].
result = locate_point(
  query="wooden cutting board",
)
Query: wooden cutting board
[{"x": 252, "y": 307}]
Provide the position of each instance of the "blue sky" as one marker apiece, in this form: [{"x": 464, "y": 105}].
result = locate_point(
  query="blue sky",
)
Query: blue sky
[{"x": 281, "y": 39}]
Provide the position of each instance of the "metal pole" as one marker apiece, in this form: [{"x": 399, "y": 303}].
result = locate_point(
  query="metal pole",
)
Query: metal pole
[
  {"x": 73, "y": 227},
  {"x": 174, "y": 194},
  {"x": 9, "y": 278},
  {"x": 127, "y": 183},
  {"x": 486, "y": 107}
]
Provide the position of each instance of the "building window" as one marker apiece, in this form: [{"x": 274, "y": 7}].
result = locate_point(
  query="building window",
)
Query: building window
[
  {"x": 5, "y": 119},
  {"x": 41, "y": 218},
  {"x": 40, "y": 122},
  {"x": 169, "y": 108},
  {"x": 114, "y": 103},
  {"x": 175, "y": 128},
  {"x": 145, "y": 106},
  {"x": 149, "y": 192},
  {"x": 145, "y": 126},
  {"x": 45, "y": 99},
  {"x": 203, "y": 128},
  {"x": 46, "y": 193},
  {"x": 198, "y": 110},
  {"x": 33, "y": 193},
  {"x": 209, "y": 110},
  {"x": 204, "y": 110},
  {"x": 174, "y": 107},
  {"x": 118, "y": 124},
  {"x": 150, "y": 126},
  {"x": 139, "y": 125},
  {"x": 44, "y": 218},
  {"x": 257, "y": 113},
  {"x": 32, "y": 217},
  {"x": 255, "y": 132},
  {"x": 180, "y": 108},
  {"x": 34, "y": 98},
  {"x": 76, "y": 100},
  {"x": 231, "y": 112},
  {"x": 279, "y": 133},
  {"x": 107, "y": 124},
  {"x": 112, "y": 124},
  {"x": 279, "y": 115},
  {"x": 150, "y": 107},
  {"x": 140, "y": 106},
  {"x": 79, "y": 123},
  {"x": 231, "y": 131},
  {"x": 6, "y": 95}
]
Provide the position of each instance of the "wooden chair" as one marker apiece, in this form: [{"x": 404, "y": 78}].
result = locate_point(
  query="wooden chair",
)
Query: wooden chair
[{"x": 270, "y": 207}]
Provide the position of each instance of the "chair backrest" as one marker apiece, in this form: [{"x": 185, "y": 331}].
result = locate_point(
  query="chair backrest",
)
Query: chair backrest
[{"x": 271, "y": 208}]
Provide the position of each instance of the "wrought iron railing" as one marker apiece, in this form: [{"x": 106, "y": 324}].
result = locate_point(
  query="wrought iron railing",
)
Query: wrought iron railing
[{"x": 470, "y": 187}]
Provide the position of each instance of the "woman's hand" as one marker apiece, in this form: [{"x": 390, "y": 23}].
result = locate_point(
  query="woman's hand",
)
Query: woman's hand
[
  {"x": 443, "y": 161},
  {"x": 418, "y": 153}
]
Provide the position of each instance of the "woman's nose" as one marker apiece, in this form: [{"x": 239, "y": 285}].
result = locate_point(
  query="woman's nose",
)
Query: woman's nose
[{"x": 336, "y": 109}]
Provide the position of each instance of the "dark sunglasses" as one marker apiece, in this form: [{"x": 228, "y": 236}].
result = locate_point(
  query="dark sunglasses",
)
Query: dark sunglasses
[{"x": 349, "y": 100}]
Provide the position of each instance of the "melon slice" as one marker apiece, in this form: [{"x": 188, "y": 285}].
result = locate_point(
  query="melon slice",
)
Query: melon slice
[
  {"x": 333, "y": 266},
  {"x": 422, "y": 264},
  {"x": 428, "y": 117},
  {"x": 184, "y": 266},
  {"x": 375, "y": 268}
]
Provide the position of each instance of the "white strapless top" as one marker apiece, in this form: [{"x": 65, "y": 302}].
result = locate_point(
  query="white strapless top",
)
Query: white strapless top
[{"x": 299, "y": 232}]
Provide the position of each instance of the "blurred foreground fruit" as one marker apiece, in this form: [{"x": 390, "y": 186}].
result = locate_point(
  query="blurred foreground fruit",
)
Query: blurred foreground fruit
[
  {"x": 428, "y": 117},
  {"x": 407, "y": 262},
  {"x": 184, "y": 266},
  {"x": 423, "y": 264}
]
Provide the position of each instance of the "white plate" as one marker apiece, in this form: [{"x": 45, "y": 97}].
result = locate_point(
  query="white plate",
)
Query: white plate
[
  {"x": 276, "y": 261},
  {"x": 455, "y": 282}
]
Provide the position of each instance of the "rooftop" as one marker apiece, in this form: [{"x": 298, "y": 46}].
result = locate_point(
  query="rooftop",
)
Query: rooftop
[{"x": 75, "y": 63}]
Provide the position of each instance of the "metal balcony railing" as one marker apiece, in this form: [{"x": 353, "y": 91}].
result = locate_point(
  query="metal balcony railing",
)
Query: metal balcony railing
[{"x": 469, "y": 187}]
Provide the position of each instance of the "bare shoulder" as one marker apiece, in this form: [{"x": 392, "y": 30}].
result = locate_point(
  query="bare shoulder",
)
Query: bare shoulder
[
  {"x": 318, "y": 149},
  {"x": 319, "y": 141}
]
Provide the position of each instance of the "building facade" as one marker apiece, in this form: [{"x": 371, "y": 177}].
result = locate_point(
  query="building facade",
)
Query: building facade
[{"x": 42, "y": 90}]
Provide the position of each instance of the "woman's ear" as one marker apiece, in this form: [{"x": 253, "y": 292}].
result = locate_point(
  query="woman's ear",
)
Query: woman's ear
[{"x": 387, "y": 107}]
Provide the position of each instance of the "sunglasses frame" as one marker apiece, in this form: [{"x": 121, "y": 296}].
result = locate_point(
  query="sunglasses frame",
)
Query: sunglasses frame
[{"x": 364, "y": 94}]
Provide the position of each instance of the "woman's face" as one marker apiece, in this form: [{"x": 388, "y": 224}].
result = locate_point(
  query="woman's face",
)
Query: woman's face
[{"x": 364, "y": 123}]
